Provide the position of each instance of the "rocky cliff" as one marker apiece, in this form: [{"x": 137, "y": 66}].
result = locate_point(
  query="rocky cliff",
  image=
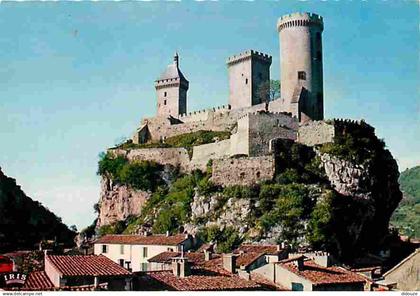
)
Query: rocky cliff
[
  {"x": 337, "y": 196},
  {"x": 118, "y": 202},
  {"x": 25, "y": 222}
]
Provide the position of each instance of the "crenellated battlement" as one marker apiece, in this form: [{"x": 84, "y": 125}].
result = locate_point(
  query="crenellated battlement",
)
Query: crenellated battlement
[
  {"x": 247, "y": 55},
  {"x": 300, "y": 19},
  {"x": 221, "y": 108}
]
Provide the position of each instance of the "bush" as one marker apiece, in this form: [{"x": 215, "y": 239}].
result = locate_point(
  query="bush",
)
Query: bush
[
  {"x": 142, "y": 175},
  {"x": 226, "y": 239},
  {"x": 114, "y": 228}
]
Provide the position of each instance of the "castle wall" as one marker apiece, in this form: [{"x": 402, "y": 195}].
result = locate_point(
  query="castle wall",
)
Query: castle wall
[
  {"x": 240, "y": 88},
  {"x": 239, "y": 141},
  {"x": 165, "y": 156},
  {"x": 315, "y": 133},
  {"x": 203, "y": 153},
  {"x": 265, "y": 126},
  {"x": 260, "y": 78},
  {"x": 242, "y": 171}
]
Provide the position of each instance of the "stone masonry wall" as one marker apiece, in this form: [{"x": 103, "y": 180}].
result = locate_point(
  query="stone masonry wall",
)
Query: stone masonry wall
[
  {"x": 215, "y": 119},
  {"x": 165, "y": 156},
  {"x": 265, "y": 126},
  {"x": 242, "y": 171},
  {"x": 203, "y": 153},
  {"x": 315, "y": 133}
]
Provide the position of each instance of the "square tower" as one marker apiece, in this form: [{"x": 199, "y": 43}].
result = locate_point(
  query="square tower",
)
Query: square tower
[
  {"x": 249, "y": 79},
  {"x": 171, "y": 90}
]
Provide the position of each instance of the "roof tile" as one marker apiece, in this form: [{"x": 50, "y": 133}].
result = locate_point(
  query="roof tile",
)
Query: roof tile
[{"x": 86, "y": 265}]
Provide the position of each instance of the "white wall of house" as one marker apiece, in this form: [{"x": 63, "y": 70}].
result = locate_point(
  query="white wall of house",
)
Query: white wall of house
[
  {"x": 53, "y": 274},
  {"x": 136, "y": 254}
]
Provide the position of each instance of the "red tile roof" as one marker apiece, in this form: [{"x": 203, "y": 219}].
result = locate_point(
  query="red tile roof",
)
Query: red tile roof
[
  {"x": 166, "y": 257},
  {"x": 86, "y": 265},
  {"x": 172, "y": 240},
  {"x": 196, "y": 282},
  {"x": 246, "y": 259},
  {"x": 320, "y": 275},
  {"x": 266, "y": 249},
  {"x": 38, "y": 281}
]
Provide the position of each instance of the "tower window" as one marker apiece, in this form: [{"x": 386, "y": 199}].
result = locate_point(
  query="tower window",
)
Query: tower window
[
  {"x": 301, "y": 75},
  {"x": 165, "y": 94},
  {"x": 164, "y": 102},
  {"x": 319, "y": 56},
  {"x": 246, "y": 80}
]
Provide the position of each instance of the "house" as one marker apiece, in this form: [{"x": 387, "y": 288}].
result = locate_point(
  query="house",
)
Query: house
[
  {"x": 133, "y": 251},
  {"x": 405, "y": 275},
  {"x": 209, "y": 271},
  {"x": 306, "y": 274},
  {"x": 193, "y": 272},
  {"x": 79, "y": 273}
]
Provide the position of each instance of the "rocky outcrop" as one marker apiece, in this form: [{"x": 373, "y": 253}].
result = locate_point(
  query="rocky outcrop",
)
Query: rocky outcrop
[
  {"x": 369, "y": 194},
  {"x": 347, "y": 178},
  {"x": 118, "y": 202},
  {"x": 215, "y": 210}
]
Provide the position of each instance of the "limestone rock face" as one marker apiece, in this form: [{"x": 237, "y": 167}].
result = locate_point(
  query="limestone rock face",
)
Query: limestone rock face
[
  {"x": 346, "y": 178},
  {"x": 212, "y": 209},
  {"x": 370, "y": 193},
  {"x": 118, "y": 202}
]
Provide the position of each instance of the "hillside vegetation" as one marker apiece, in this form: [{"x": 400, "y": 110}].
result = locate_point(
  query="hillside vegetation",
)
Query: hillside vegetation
[
  {"x": 300, "y": 205},
  {"x": 25, "y": 222},
  {"x": 407, "y": 216}
]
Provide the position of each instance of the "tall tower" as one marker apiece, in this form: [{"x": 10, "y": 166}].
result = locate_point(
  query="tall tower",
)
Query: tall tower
[
  {"x": 301, "y": 65},
  {"x": 171, "y": 90},
  {"x": 249, "y": 75}
]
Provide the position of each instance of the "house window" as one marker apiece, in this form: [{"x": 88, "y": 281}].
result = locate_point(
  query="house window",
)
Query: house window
[
  {"x": 144, "y": 252},
  {"x": 170, "y": 249},
  {"x": 165, "y": 94},
  {"x": 121, "y": 249},
  {"x": 301, "y": 75},
  {"x": 104, "y": 249},
  {"x": 297, "y": 287},
  {"x": 121, "y": 262},
  {"x": 246, "y": 80},
  {"x": 164, "y": 102}
]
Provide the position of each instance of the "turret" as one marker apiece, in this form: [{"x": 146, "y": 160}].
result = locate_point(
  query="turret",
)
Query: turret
[
  {"x": 171, "y": 90},
  {"x": 249, "y": 79},
  {"x": 301, "y": 65}
]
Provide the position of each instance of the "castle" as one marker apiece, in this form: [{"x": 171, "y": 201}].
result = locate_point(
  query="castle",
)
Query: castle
[{"x": 254, "y": 121}]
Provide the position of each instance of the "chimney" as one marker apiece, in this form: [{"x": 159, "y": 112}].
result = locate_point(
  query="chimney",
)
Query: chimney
[
  {"x": 208, "y": 255},
  {"x": 167, "y": 232},
  {"x": 95, "y": 282},
  {"x": 229, "y": 262},
  {"x": 300, "y": 263},
  {"x": 180, "y": 267},
  {"x": 323, "y": 258}
]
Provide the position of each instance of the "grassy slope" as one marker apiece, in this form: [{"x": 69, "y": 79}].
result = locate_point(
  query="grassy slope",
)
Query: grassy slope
[{"x": 407, "y": 216}]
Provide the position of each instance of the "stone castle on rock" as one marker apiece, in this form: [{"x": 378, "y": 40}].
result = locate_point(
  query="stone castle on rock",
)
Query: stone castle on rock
[{"x": 254, "y": 121}]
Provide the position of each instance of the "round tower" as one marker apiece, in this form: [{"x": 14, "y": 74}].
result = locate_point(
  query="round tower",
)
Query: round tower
[{"x": 301, "y": 64}]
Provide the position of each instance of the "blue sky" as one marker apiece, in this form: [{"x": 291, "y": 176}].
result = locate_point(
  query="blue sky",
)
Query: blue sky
[{"x": 75, "y": 77}]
